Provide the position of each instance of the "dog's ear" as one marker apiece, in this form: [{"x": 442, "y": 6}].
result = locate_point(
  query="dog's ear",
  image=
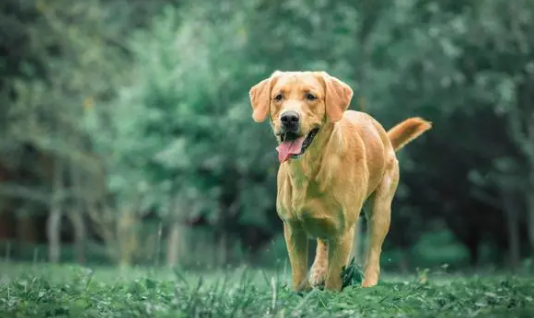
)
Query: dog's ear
[
  {"x": 260, "y": 98},
  {"x": 338, "y": 97}
]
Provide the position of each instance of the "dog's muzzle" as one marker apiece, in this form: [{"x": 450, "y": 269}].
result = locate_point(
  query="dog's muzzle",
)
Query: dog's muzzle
[{"x": 290, "y": 121}]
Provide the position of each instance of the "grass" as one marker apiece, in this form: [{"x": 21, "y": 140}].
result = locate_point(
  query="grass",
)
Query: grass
[{"x": 43, "y": 290}]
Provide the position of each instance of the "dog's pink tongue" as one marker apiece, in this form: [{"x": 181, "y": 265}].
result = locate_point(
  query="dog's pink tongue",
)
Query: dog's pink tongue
[{"x": 288, "y": 148}]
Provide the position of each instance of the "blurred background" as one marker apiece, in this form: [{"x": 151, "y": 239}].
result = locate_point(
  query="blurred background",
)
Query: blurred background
[{"x": 126, "y": 135}]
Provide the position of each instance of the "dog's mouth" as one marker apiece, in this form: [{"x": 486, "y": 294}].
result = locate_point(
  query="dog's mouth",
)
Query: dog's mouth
[{"x": 293, "y": 145}]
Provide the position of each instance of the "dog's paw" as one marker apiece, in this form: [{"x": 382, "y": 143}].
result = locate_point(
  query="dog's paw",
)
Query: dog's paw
[
  {"x": 317, "y": 276},
  {"x": 303, "y": 287},
  {"x": 369, "y": 283},
  {"x": 371, "y": 277}
]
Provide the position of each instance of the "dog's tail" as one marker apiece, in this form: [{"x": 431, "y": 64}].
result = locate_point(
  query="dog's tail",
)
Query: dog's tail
[{"x": 406, "y": 131}]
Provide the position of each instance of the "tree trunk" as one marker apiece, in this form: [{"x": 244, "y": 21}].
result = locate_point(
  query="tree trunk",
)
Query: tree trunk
[
  {"x": 80, "y": 235},
  {"x": 511, "y": 210},
  {"x": 25, "y": 229},
  {"x": 530, "y": 190},
  {"x": 53, "y": 232},
  {"x": 472, "y": 243},
  {"x": 223, "y": 248},
  {"x": 174, "y": 236},
  {"x": 76, "y": 216},
  {"x": 404, "y": 263},
  {"x": 530, "y": 209},
  {"x": 53, "y": 226},
  {"x": 127, "y": 238},
  {"x": 173, "y": 243}
]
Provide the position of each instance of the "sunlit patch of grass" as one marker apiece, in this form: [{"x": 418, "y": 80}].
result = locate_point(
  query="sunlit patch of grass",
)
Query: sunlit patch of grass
[{"x": 42, "y": 290}]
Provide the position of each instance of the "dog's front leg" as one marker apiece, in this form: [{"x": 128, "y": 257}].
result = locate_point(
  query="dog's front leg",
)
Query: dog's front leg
[
  {"x": 297, "y": 248},
  {"x": 338, "y": 256}
]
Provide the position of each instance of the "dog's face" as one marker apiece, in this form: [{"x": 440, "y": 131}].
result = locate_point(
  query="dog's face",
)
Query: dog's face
[{"x": 299, "y": 104}]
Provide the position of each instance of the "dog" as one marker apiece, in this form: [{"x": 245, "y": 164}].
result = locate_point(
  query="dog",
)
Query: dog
[{"x": 332, "y": 160}]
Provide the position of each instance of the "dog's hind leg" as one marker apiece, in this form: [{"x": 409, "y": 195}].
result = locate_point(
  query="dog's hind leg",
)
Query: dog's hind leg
[{"x": 379, "y": 219}]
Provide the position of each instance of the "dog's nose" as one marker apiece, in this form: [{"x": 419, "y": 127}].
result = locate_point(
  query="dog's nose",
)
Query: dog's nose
[{"x": 290, "y": 120}]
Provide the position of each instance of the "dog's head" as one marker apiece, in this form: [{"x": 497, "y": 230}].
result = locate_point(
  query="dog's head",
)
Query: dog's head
[{"x": 299, "y": 105}]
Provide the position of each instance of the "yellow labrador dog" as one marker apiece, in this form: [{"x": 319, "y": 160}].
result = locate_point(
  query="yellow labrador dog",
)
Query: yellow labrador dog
[{"x": 331, "y": 161}]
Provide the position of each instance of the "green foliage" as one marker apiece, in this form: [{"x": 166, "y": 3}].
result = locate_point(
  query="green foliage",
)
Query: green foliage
[
  {"x": 183, "y": 126},
  {"x": 439, "y": 248},
  {"x": 46, "y": 291},
  {"x": 352, "y": 274},
  {"x": 146, "y": 102}
]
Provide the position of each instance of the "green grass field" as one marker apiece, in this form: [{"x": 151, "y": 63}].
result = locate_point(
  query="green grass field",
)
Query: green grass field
[{"x": 42, "y": 290}]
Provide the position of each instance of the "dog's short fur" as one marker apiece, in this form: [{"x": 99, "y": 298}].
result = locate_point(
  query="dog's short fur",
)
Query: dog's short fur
[{"x": 322, "y": 191}]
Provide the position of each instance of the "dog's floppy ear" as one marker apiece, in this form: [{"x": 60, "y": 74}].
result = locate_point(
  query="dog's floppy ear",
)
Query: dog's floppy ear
[
  {"x": 260, "y": 98},
  {"x": 338, "y": 97}
]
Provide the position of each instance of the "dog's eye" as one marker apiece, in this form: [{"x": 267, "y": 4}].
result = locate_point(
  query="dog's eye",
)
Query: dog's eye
[
  {"x": 310, "y": 97},
  {"x": 278, "y": 97}
]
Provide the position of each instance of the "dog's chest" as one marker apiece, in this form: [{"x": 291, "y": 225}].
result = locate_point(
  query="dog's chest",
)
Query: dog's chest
[{"x": 318, "y": 214}]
